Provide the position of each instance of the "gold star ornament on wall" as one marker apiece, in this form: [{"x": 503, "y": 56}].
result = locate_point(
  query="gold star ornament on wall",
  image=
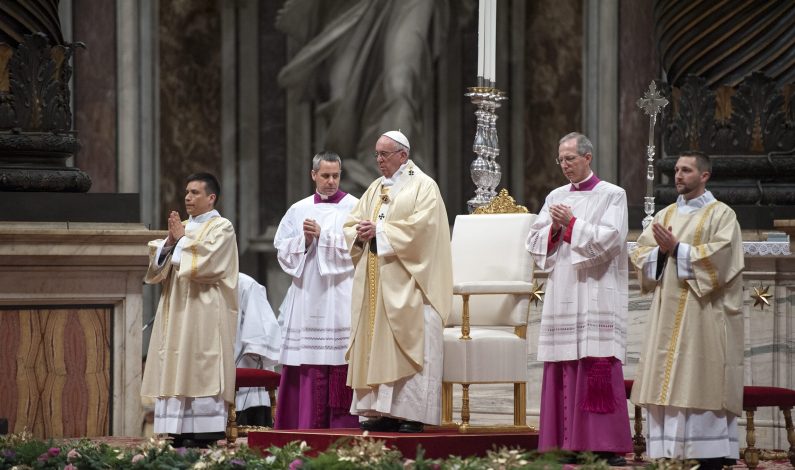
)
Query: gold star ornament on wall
[
  {"x": 537, "y": 294},
  {"x": 761, "y": 296}
]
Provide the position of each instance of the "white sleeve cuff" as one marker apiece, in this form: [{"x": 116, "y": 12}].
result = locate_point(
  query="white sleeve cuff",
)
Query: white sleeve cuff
[
  {"x": 684, "y": 268},
  {"x": 650, "y": 266},
  {"x": 176, "y": 258},
  {"x": 384, "y": 247}
]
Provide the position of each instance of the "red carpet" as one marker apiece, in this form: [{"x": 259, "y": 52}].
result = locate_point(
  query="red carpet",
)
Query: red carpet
[{"x": 438, "y": 443}]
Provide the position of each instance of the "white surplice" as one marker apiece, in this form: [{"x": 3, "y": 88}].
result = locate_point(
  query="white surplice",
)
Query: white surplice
[
  {"x": 258, "y": 341},
  {"x": 585, "y": 308},
  {"x": 316, "y": 312}
]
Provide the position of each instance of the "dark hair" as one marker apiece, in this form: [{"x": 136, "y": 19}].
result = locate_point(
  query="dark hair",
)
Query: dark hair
[
  {"x": 703, "y": 162},
  {"x": 211, "y": 184}
]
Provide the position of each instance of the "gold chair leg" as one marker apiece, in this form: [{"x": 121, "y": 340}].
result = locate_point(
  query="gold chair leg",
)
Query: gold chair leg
[
  {"x": 519, "y": 404},
  {"x": 638, "y": 441},
  {"x": 447, "y": 403},
  {"x": 751, "y": 454},
  {"x": 231, "y": 426},
  {"x": 465, "y": 407},
  {"x": 790, "y": 435}
]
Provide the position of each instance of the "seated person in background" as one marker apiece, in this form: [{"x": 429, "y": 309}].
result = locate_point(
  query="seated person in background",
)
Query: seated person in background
[{"x": 257, "y": 346}]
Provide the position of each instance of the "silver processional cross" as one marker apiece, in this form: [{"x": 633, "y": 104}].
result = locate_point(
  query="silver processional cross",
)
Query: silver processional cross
[{"x": 651, "y": 103}]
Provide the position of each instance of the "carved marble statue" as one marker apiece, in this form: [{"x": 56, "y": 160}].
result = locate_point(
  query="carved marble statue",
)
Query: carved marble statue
[{"x": 368, "y": 66}]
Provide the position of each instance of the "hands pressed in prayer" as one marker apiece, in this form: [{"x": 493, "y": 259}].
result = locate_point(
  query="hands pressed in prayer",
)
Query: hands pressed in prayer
[
  {"x": 311, "y": 231},
  {"x": 175, "y": 229},
  {"x": 664, "y": 237},
  {"x": 365, "y": 230},
  {"x": 561, "y": 215}
]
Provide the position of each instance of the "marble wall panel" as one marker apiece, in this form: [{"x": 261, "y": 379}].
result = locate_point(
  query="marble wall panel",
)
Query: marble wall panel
[
  {"x": 190, "y": 97},
  {"x": 94, "y": 105},
  {"x": 62, "y": 371},
  {"x": 553, "y": 90}
]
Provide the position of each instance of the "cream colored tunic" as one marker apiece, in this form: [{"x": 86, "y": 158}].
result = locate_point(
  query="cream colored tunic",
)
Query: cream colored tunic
[
  {"x": 417, "y": 271},
  {"x": 693, "y": 356},
  {"x": 193, "y": 337}
]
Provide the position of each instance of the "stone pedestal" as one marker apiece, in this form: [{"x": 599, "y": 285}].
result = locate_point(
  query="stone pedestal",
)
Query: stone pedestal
[{"x": 70, "y": 309}]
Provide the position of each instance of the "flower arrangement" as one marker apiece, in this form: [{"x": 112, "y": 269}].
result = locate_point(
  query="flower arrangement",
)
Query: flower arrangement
[{"x": 23, "y": 452}]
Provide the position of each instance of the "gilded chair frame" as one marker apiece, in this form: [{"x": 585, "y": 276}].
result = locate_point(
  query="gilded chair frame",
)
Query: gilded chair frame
[{"x": 503, "y": 203}]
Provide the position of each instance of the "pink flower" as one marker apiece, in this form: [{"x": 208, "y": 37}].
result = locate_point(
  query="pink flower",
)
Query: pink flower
[
  {"x": 72, "y": 455},
  {"x": 296, "y": 464},
  {"x": 51, "y": 452},
  {"x": 70, "y": 467},
  {"x": 137, "y": 458}
]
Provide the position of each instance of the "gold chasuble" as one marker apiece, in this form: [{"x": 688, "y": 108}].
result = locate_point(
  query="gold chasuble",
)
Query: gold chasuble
[
  {"x": 191, "y": 352},
  {"x": 389, "y": 291},
  {"x": 693, "y": 355}
]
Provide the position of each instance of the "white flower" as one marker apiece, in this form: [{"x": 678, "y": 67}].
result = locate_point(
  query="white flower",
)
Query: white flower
[
  {"x": 200, "y": 464},
  {"x": 303, "y": 445},
  {"x": 270, "y": 459}
]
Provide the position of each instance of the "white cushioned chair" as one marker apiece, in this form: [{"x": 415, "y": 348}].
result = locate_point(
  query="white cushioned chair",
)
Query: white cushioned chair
[{"x": 492, "y": 286}]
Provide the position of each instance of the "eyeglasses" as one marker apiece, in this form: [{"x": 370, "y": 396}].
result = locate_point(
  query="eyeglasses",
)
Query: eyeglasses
[
  {"x": 385, "y": 155},
  {"x": 568, "y": 159}
]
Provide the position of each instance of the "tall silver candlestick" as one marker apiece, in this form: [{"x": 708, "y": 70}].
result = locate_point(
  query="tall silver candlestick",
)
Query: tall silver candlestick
[
  {"x": 485, "y": 171},
  {"x": 651, "y": 103}
]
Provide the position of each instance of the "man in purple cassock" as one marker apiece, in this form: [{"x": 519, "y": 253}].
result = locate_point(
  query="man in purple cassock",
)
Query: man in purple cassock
[
  {"x": 580, "y": 238},
  {"x": 316, "y": 312}
]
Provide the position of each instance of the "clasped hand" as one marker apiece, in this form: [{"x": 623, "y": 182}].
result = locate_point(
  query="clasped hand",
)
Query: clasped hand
[
  {"x": 365, "y": 230},
  {"x": 175, "y": 229},
  {"x": 561, "y": 216},
  {"x": 311, "y": 231},
  {"x": 664, "y": 237}
]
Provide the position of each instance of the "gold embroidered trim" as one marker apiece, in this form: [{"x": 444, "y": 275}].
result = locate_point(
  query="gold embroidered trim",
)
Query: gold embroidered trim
[
  {"x": 713, "y": 275},
  {"x": 372, "y": 275},
  {"x": 194, "y": 266},
  {"x": 372, "y": 293},
  {"x": 669, "y": 360},
  {"x": 668, "y": 213},
  {"x": 680, "y": 311}
]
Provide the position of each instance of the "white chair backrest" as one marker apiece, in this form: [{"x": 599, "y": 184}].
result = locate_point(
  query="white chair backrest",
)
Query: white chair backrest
[{"x": 491, "y": 247}]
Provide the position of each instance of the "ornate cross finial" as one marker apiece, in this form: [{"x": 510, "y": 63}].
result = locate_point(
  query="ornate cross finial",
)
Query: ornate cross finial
[{"x": 652, "y": 102}]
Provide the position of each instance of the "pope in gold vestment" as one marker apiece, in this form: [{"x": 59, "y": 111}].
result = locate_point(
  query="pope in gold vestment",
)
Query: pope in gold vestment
[{"x": 391, "y": 291}]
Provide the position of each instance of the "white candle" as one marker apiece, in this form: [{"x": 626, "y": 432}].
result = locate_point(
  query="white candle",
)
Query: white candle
[
  {"x": 481, "y": 37},
  {"x": 492, "y": 53},
  {"x": 487, "y": 33}
]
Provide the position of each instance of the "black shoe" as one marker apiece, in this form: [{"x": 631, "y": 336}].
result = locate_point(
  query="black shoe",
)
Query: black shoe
[
  {"x": 382, "y": 424},
  {"x": 612, "y": 459},
  {"x": 715, "y": 463},
  {"x": 411, "y": 426},
  {"x": 177, "y": 440},
  {"x": 568, "y": 459}
]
